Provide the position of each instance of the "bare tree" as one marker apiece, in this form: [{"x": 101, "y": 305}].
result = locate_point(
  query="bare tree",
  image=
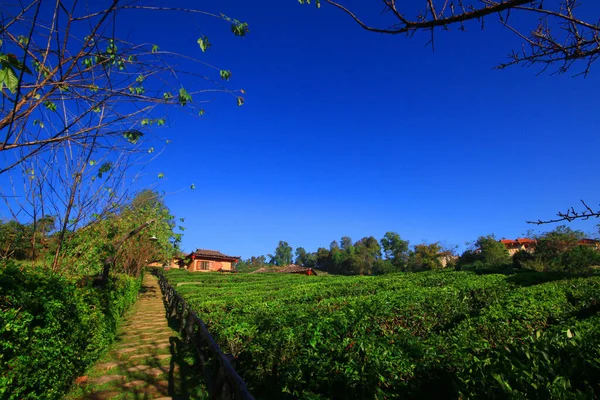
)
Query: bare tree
[
  {"x": 79, "y": 111},
  {"x": 571, "y": 214},
  {"x": 558, "y": 36}
]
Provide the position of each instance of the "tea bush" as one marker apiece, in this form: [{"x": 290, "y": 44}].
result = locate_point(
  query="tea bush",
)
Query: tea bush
[{"x": 441, "y": 334}]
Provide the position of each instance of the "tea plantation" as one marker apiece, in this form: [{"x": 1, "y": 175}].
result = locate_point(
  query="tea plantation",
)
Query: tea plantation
[{"x": 423, "y": 335}]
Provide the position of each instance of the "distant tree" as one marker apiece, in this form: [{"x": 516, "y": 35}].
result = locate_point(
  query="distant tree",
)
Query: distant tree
[
  {"x": 300, "y": 256},
  {"x": 334, "y": 245},
  {"x": 492, "y": 252},
  {"x": 425, "y": 257},
  {"x": 345, "y": 243},
  {"x": 15, "y": 240},
  {"x": 283, "y": 254},
  {"x": 553, "y": 251},
  {"x": 553, "y": 244},
  {"x": 323, "y": 260},
  {"x": 395, "y": 249},
  {"x": 367, "y": 253},
  {"x": 559, "y": 36}
]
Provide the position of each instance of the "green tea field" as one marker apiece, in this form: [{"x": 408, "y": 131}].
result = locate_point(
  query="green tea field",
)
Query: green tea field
[{"x": 423, "y": 335}]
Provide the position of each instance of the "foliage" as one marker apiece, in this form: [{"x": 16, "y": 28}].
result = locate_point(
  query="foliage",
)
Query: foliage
[
  {"x": 429, "y": 335},
  {"x": 24, "y": 242},
  {"x": 425, "y": 257},
  {"x": 283, "y": 254},
  {"x": 80, "y": 113},
  {"x": 52, "y": 328},
  {"x": 561, "y": 250},
  {"x": 87, "y": 248},
  {"x": 488, "y": 253},
  {"x": 395, "y": 249}
]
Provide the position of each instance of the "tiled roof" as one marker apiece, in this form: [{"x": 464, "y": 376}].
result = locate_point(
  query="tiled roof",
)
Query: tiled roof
[
  {"x": 211, "y": 253},
  {"x": 293, "y": 269}
]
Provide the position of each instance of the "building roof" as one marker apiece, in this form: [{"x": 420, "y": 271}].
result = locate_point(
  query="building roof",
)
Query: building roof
[
  {"x": 518, "y": 241},
  {"x": 212, "y": 254},
  {"x": 294, "y": 269}
]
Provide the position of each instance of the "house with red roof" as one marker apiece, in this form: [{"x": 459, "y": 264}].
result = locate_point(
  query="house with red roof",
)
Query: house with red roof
[
  {"x": 518, "y": 244},
  {"x": 529, "y": 244},
  {"x": 202, "y": 260}
]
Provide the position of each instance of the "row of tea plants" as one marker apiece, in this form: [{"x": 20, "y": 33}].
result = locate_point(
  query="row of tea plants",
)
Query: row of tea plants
[{"x": 423, "y": 335}]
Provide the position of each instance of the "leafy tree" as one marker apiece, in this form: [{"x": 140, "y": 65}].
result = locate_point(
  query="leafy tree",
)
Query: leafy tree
[
  {"x": 324, "y": 261},
  {"x": 492, "y": 252},
  {"x": 580, "y": 258},
  {"x": 15, "y": 240},
  {"x": 561, "y": 37},
  {"x": 560, "y": 250},
  {"x": 81, "y": 109},
  {"x": 283, "y": 254},
  {"x": 395, "y": 249},
  {"x": 300, "y": 256},
  {"x": 425, "y": 257},
  {"x": 552, "y": 245},
  {"x": 116, "y": 242},
  {"x": 367, "y": 252}
]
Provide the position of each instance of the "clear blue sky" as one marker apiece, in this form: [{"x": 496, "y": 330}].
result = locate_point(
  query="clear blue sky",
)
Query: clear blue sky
[{"x": 350, "y": 133}]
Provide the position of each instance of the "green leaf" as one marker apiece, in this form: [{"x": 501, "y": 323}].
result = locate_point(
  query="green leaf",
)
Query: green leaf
[
  {"x": 204, "y": 43},
  {"x": 225, "y": 74},
  {"x": 184, "y": 97},
  {"x": 38, "y": 122},
  {"x": 239, "y": 28},
  {"x": 107, "y": 166},
  {"x": 23, "y": 40},
  {"x": 92, "y": 162},
  {"x": 167, "y": 96},
  {"x": 9, "y": 79},
  {"x": 161, "y": 175},
  {"x": 240, "y": 101},
  {"x": 155, "y": 48},
  {"x": 192, "y": 186},
  {"x": 133, "y": 135},
  {"x": 50, "y": 105},
  {"x": 201, "y": 112},
  {"x": 151, "y": 150}
]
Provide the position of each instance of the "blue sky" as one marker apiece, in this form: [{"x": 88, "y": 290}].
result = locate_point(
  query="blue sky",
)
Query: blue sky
[{"x": 350, "y": 133}]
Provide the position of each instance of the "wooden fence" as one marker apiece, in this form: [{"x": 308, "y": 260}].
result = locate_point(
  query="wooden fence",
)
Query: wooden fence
[{"x": 222, "y": 380}]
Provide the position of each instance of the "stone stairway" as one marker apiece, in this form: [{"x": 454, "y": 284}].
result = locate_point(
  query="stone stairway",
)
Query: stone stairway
[{"x": 147, "y": 359}]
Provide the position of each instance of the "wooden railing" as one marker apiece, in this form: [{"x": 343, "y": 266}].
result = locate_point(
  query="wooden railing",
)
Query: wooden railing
[{"x": 222, "y": 380}]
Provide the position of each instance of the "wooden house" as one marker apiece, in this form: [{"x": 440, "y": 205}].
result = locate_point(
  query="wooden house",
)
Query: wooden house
[{"x": 203, "y": 260}]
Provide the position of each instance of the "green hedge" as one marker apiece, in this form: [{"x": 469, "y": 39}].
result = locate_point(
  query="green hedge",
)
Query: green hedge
[{"x": 52, "y": 328}]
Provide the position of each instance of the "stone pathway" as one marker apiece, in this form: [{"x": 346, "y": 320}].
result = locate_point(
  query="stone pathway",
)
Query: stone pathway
[{"x": 145, "y": 361}]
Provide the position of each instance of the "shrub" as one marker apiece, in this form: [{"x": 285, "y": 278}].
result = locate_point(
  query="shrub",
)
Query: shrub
[
  {"x": 580, "y": 259},
  {"x": 521, "y": 257},
  {"x": 52, "y": 328}
]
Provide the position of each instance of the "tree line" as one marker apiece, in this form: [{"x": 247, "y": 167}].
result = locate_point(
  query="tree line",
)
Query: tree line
[{"x": 558, "y": 250}]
